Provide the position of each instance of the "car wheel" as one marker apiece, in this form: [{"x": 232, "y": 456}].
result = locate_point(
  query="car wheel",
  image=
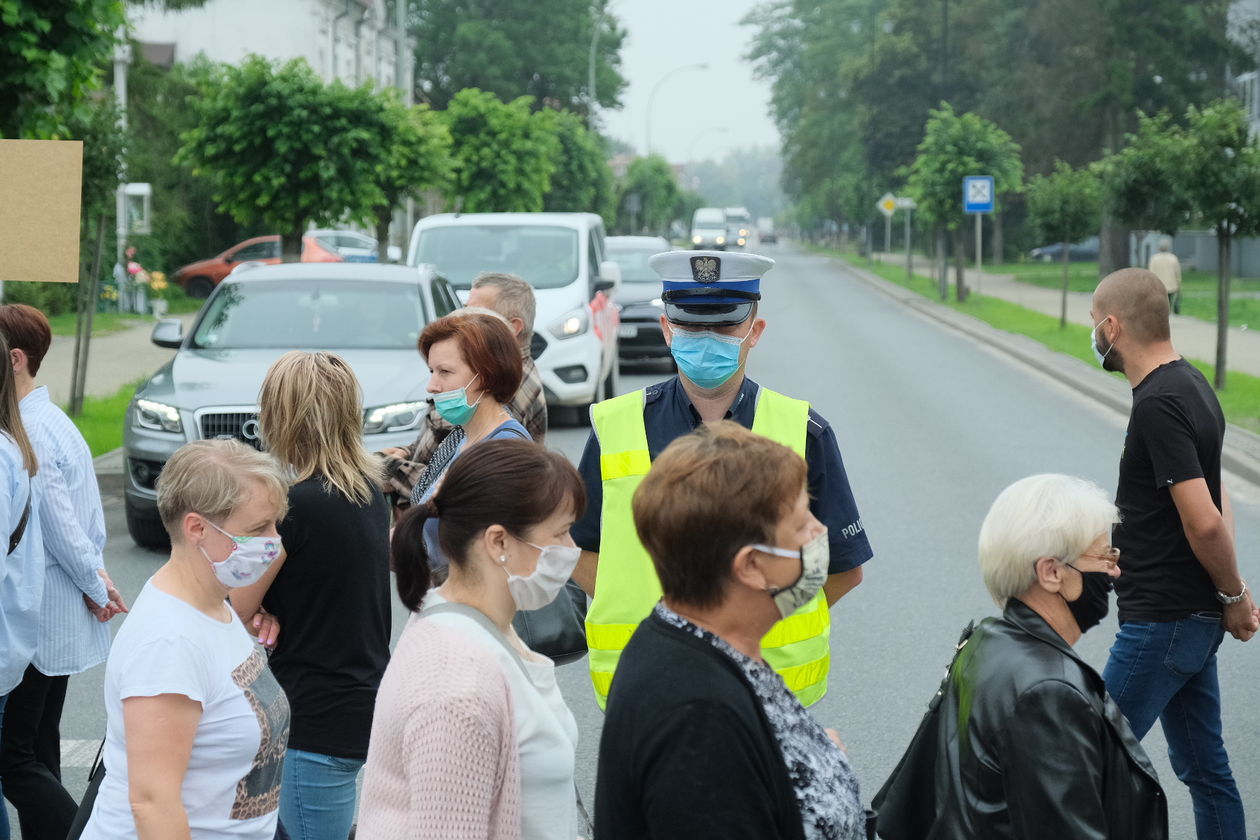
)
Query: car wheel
[
  {"x": 147, "y": 533},
  {"x": 200, "y": 287}
]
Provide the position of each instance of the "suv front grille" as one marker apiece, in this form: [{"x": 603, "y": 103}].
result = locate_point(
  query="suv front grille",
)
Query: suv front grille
[{"x": 234, "y": 425}]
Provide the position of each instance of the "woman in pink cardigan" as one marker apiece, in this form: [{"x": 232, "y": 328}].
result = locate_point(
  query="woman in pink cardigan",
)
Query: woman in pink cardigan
[{"x": 471, "y": 739}]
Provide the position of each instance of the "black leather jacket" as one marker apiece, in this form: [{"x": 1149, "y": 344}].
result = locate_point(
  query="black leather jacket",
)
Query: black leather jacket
[{"x": 1033, "y": 747}]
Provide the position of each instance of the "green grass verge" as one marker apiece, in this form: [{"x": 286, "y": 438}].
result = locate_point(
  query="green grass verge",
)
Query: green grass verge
[
  {"x": 1198, "y": 288},
  {"x": 101, "y": 422},
  {"x": 104, "y": 323},
  {"x": 1240, "y": 400}
]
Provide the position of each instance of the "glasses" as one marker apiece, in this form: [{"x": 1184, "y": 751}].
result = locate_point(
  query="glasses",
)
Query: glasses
[{"x": 1111, "y": 556}]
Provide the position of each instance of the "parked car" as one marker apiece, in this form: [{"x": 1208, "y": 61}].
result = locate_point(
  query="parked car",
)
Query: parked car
[
  {"x": 639, "y": 297},
  {"x": 708, "y": 229},
  {"x": 353, "y": 246},
  {"x": 562, "y": 256},
  {"x": 765, "y": 231},
  {"x": 370, "y": 314},
  {"x": 199, "y": 279},
  {"x": 1084, "y": 251}
]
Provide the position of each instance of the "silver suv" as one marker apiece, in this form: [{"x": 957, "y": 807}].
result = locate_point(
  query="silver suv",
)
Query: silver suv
[{"x": 370, "y": 314}]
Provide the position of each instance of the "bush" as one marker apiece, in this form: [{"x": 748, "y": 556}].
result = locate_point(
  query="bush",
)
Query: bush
[{"x": 49, "y": 298}]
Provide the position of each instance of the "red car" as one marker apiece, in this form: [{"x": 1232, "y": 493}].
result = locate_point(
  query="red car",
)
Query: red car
[{"x": 200, "y": 278}]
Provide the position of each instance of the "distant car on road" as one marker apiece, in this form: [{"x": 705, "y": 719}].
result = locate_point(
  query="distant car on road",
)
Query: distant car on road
[
  {"x": 354, "y": 246},
  {"x": 1084, "y": 251},
  {"x": 708, "y": 229},
  {"x": 199, "y": 279},
  {"x": 765, "y": 231},
  {"x": 371, "y": 315},
  {"x": 738, "y": 227},
  {"x": 639, "y": 297}
]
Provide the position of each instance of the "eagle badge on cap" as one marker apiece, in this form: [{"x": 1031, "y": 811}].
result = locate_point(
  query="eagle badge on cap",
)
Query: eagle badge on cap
[{"x": 706, "y": 269}]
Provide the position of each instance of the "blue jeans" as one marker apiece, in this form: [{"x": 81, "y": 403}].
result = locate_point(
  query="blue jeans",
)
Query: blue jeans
[
  {"x": 317, "y": 795},
  {"x": 1167, "y": 670},
  {"x": 4, "y": 812}
]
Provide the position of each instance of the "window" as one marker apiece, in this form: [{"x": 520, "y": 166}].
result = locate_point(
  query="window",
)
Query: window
[
  {"x": 444, "y": 299},
  {"x": 546, "y": 256},
  {"x": 257, "y": 251}
]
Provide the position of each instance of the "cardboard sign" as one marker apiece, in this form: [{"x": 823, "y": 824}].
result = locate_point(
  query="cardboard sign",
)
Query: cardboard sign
[{"x": 40, "y": 190}]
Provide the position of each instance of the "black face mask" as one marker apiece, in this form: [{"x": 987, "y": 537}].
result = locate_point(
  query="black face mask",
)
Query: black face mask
[{"x": 1091, "y": 608}]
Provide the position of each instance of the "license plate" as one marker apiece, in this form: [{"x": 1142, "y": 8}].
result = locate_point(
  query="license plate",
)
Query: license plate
[{"x": 627, "y": 331}]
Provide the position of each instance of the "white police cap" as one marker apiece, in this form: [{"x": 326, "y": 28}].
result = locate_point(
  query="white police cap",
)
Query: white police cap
[{"x": 710, "y": 288}]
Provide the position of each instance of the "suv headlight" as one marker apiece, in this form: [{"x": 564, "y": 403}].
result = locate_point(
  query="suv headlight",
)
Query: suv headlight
[
  {"x": 571, "y": 324},
  {"x": 398, "y": 417},
  {"x": 697, "y": 239},
  {"x": 721, "y": 240},
  {"x": 157, "y": 416}
]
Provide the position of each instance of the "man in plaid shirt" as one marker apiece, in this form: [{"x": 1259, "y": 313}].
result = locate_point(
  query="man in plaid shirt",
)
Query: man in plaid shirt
[{"x": 513, "y": 298}]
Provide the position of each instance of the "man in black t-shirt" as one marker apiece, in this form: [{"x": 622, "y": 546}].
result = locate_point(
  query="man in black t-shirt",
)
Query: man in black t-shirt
[{"x": 1180, "y": 588}]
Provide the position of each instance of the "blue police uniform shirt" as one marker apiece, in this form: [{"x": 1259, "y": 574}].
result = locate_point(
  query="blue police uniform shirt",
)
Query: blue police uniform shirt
[{"x": 668, "y": 414}]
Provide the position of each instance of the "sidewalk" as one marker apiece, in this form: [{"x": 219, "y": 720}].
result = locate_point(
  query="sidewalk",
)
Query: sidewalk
[
  {"x": 113, "y": 361},
  {"x": 1192, "y": 337}
]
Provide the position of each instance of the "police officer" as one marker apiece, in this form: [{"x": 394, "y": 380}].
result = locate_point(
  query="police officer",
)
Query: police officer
[{"x": 710, "y": 323}]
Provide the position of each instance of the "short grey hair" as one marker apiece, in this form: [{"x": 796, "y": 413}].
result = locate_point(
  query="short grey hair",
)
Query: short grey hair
[
  {"x": 1046, "y": 515},
  {"x": 1165, "y": 244},
  {"x": 516, "y": 298},
  {"x": 211, "y": 477}
]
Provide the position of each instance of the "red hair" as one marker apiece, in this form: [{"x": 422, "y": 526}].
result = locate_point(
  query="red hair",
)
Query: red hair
[
  {"x": 488, "y": 347},
  {"x": 26, "y": 329}
]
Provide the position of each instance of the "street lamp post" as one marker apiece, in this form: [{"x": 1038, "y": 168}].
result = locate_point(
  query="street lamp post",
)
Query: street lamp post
[
  {"x": 590, "y": 65},
  {"x": 652, "y": 98}
]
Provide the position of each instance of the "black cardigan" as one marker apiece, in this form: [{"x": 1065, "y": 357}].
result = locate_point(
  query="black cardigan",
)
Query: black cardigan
[{"x": 687, "y": 751}]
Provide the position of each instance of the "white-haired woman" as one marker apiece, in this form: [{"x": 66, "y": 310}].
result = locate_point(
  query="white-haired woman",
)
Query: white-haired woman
[
  {"x": 1032, "y": 745},
  {"x": 329, "y": 589},
  {"x": 195, "y": 724}
]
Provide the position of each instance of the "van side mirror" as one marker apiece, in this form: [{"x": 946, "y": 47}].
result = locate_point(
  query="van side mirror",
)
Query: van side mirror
[
  {"x": 609, "y": 277},
  {"x": 169, "y": 332}
]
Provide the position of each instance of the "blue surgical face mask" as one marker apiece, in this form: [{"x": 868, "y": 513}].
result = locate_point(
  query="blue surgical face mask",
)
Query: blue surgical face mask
[
  {"x": 705, "y": 357},
  {"x": 453, "y": 405}
]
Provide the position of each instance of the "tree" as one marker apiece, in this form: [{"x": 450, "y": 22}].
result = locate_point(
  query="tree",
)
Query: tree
[
  {"x": 1064, "y": 207},
  {"x": 647, "y": 197},
  {"x": 417, "y": 158},
  {"x": 504, "y": 155},
  {"x": 954, "y": 146},
  {"x": 582, "y": 182},
  {"x": 284, "y": 150},
  {"x": 1144, "y": 184},
  {"x": 1222, "y": 166},
  {"x": 51, "y": 57},
  {"x": 538, "y": 49}
]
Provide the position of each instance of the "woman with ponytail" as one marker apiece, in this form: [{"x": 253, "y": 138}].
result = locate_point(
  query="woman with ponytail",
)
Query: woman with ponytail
[
  {"x": 471, "y": 739},
  {"x": 22, "y": 569}
]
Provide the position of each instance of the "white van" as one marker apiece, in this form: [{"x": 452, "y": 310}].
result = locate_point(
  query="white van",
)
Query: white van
[
  {"x": 708, "y": 229},
  {"x": 562, "y": 256}
]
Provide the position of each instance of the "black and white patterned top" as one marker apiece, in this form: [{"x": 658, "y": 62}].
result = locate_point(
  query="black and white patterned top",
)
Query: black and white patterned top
[{"x": 826, "y": 786}]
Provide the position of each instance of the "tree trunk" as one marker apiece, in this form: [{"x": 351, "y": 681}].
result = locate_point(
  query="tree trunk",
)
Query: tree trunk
[
  {"x": 291, "y": 246},
  {"x": 1063, "y": 304},
  {"x": 960, "y": 265},
  {"x": 384, "y": 216},
  {"x": 1113, "y": 246},
  {"x": 942, "y": 262},
  {"x": 1223, "y": 272},
  {"x": 83, "y": 342}
]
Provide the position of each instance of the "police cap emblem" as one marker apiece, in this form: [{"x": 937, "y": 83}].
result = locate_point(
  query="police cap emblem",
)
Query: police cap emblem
[{"x": 706, "y": 269}]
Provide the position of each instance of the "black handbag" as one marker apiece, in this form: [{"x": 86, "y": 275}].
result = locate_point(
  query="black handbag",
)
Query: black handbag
[
  {"x": 905, "y": 807},
  {"x": 15, "y": 538},
  {"x": 558, "y": 630}
]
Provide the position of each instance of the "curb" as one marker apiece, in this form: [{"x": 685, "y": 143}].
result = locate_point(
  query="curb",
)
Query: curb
[{"x": 1241, "y": 454}]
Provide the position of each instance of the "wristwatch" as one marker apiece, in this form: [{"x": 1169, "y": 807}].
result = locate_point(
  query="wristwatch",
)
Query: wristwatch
[{"x": 1227, "y": 600}]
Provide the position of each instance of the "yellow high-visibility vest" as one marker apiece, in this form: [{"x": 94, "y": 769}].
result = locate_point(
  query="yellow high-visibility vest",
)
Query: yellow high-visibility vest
[{"x": 626, "y": 586}]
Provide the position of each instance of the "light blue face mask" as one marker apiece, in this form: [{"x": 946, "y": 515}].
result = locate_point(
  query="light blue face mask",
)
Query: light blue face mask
[
  {"x": 1093, "y": 344},
  {"x": 453, "y": 405},
  {"x": 705, "y": 357}
]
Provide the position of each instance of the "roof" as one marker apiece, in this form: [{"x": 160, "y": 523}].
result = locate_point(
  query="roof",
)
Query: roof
[
  {"x": 574, "y": 220},
  {"x": 381, "y": 272}
]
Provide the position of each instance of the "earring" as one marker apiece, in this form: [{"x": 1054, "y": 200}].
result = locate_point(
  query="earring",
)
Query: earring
[{"x": 502, "y": 559}]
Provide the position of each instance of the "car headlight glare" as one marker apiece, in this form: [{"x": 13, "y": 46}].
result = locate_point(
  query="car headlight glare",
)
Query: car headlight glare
[
  {"x": 158, "y": 417},
  {"x": 721, "y": 240},
  {"x": 741, "y": 240},
  {"x": 697, "y": 239},
  {"x": 397, "y": 417},
  {"x": 571, "y": 324}
]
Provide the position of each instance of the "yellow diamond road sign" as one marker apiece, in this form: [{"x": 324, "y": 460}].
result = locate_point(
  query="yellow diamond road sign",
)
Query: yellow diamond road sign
[{"x": 888, "y": 204}]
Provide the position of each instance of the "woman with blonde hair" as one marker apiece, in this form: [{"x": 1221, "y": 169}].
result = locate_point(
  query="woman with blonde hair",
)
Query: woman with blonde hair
[
  {"x": 329, "y": 589},
  {"x": 22, "y": 570}
]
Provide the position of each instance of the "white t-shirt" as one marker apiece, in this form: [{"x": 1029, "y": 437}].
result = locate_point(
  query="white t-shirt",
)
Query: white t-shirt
[
  {"x": 546, "y": 731},
  {"x": 232, "y": 785}
]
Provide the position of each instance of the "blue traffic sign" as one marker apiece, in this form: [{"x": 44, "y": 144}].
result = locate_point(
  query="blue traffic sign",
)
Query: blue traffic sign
[{"x": 978, "y": 194}]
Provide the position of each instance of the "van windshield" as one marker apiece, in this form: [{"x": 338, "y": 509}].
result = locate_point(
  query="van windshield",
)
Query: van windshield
[{"x": 546, "y": 256}]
